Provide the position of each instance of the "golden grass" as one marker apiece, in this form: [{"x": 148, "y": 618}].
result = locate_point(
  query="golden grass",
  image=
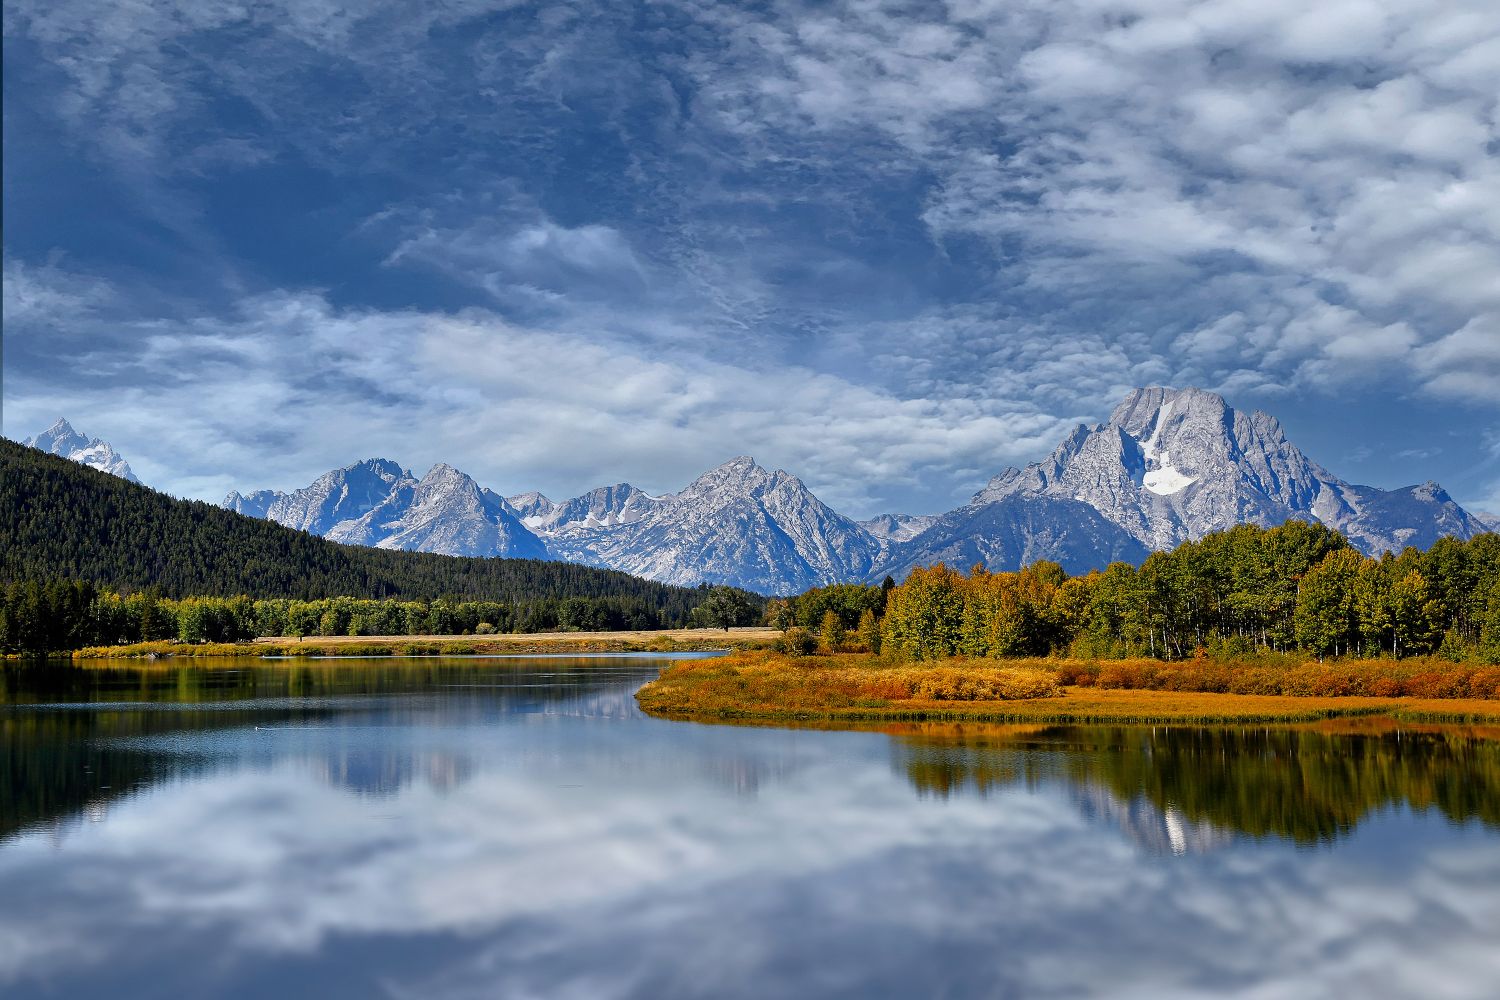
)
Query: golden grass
[
  {"x": 850, "y": 688},
  {"x": 664, "y": 641}
]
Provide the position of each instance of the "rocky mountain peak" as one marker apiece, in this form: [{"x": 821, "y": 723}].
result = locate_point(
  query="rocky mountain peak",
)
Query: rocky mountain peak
[
  {"x": 63, "y": 440},
  {"x": 533, "y": 507},
  {"x": 1145, "y": 409}
]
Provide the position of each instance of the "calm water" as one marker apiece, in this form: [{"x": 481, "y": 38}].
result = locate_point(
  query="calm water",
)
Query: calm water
[{"x": 516, "y": 828}]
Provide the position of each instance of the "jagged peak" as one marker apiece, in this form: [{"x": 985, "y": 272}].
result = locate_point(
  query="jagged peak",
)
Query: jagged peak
[
  {"x": 531, "y": 497},
  {"x": 442, "y": 472},
  {"x": 380, "y": 466},
  {"x": 1430, "y": 490},
  {"x": 1139, "y": 411},
  {"x": 739, "y": 463},
  {"x": 740, "y": 469}
]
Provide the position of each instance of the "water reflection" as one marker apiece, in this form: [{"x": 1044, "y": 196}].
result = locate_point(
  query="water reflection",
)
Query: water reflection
[
  {"x": 1192, "y": 788},
  {"x": 474, "y": 830},
  {"x": 74, "y": 739}
]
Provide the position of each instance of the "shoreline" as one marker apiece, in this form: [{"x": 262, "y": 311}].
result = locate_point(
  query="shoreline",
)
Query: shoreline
[{"x": 1123, "y": 707}]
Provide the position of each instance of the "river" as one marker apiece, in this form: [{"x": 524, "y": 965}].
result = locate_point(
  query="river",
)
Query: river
[{"x": 515, "y": 827}]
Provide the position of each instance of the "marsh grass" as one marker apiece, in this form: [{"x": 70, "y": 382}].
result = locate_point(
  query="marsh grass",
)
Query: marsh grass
[{"x": 860, "y": 688}]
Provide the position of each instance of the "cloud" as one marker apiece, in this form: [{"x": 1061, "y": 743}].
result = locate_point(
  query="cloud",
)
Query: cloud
[
  {"x": 1339, "y": 161},
  {"x": 981, "y": 220},
  {"x": 286, "y": 386}
]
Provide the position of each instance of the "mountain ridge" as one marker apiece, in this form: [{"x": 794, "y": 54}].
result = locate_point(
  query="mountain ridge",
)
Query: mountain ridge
[{"x": 1166, "y": 466}]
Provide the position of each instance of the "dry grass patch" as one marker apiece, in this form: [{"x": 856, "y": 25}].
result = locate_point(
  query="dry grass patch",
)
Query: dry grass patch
[{"x": 663, "y": 641}]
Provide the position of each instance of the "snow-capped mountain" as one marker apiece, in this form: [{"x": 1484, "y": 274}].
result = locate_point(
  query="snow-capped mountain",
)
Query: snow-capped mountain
[
  {"x": 378, "y": 503},
  {"x": 1168, "y": 465},
  {"x": 532, "y": 507},
  {"x": 738, "y": 523},
  {"x": 331, "y": 499},
  {"x": 62, "y": 439},
  {"x": 1173, "y": 464},
  {"x": 447, "y": 512}
]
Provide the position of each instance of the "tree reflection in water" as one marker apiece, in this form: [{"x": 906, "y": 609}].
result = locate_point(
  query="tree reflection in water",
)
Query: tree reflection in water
[{"x": 1193, "y": 788}]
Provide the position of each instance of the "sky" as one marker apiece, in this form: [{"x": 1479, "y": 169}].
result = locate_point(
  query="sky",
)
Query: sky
[{"x": 890, "y": 247}]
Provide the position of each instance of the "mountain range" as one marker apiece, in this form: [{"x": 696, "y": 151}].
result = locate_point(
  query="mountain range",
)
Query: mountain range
[{"x": 1168, "y": 465}]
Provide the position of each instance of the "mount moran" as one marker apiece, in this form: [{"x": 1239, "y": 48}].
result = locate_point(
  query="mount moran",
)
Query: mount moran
[{"x": 1167, "y": 466}]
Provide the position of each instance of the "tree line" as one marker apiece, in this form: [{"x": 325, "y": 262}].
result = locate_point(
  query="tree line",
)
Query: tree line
[
  {"x": 45, "y": 616},
  {"x": 1298, "y": 587}
]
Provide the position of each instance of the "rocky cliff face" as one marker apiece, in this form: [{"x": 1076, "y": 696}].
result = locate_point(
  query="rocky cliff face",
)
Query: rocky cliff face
[{"x": 330, "y": 500}]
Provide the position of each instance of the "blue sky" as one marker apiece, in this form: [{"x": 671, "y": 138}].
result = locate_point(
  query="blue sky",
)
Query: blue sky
[{"x": 892, "y": 248}]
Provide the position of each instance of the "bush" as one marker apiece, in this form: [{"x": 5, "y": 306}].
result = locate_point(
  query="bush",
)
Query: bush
[
  {"x": 797, "y": 641},
  {"x": 974, "y": 683}
]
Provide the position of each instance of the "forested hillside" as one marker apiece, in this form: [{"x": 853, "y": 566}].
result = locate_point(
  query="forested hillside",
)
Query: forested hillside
[{"x": 59, "y": 519}]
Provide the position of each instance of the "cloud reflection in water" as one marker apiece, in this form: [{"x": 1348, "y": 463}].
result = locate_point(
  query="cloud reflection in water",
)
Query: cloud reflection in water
[{"x": 553, "y": 851}]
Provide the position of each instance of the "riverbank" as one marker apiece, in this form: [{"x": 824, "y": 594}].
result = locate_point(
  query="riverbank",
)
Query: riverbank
[
  {"x": 850, "y": 688},
  {"x": 663, "y": 641}
]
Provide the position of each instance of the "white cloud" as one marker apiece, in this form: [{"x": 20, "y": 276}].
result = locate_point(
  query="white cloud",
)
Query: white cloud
[
  {"x": 1339, "y": 156},
  {"x": 288, "y": 386},
  {"x": 1251, "y": 195}
]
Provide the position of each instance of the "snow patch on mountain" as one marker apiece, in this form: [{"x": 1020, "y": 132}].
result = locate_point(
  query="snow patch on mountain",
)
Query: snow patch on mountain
[{"x": 1165, "y": 481}]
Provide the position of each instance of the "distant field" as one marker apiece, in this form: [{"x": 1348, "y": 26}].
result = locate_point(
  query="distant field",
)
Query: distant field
[
  {"x": 528, "y": 638},
  {"x": 641, "y": 641}
]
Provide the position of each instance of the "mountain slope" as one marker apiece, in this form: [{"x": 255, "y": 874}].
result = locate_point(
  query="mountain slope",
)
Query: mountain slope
[
  {"x": 61, "y": 439},
  {"x": 447, "y": 512},
  {"x": 60, "y": 519},
  {"x": 1017, "y": 531},
  {"x": 334, "y": 497}
]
